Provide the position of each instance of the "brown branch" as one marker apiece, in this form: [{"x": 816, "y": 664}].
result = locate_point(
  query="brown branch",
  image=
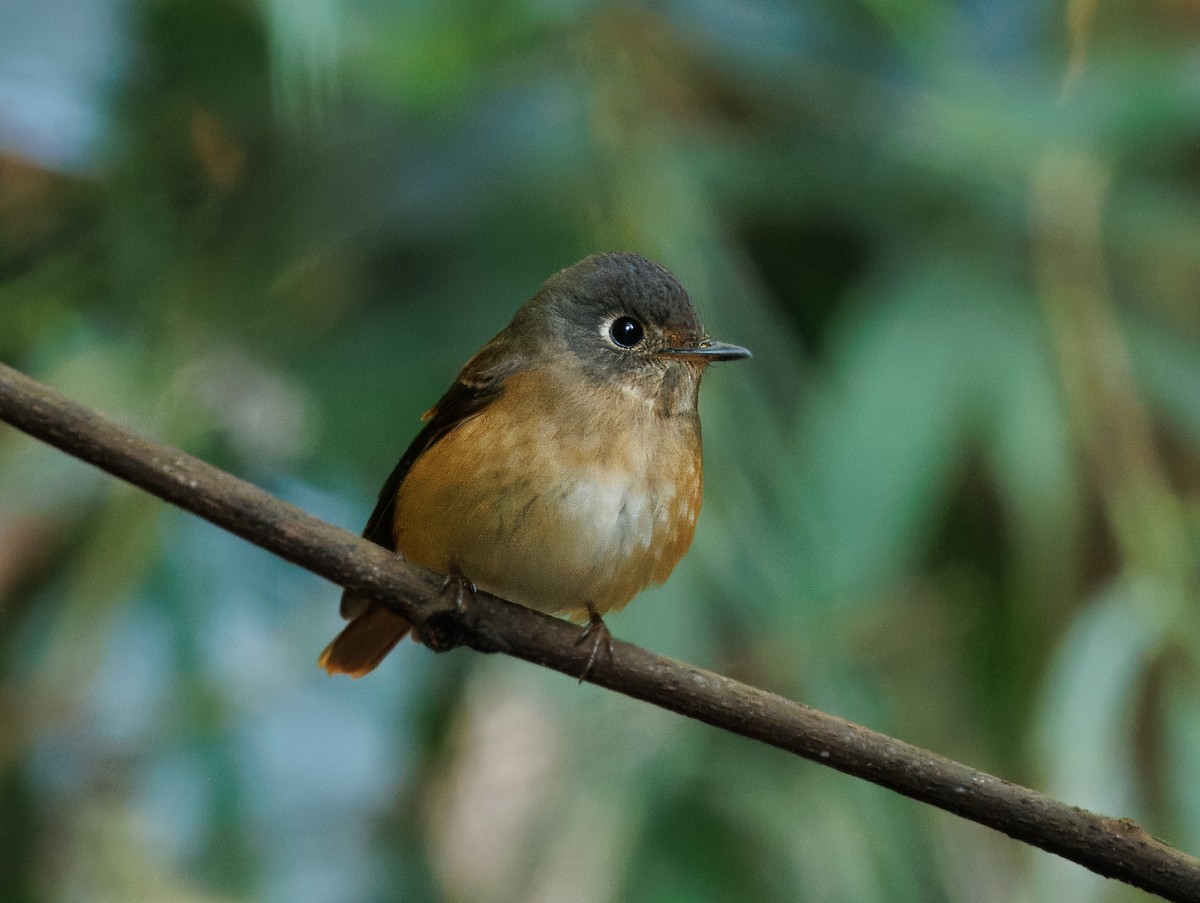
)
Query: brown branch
[{"x": 1116, "y": 848}]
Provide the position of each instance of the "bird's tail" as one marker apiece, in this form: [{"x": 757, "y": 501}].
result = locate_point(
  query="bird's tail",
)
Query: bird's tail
[{"x": 364, "y": 642}]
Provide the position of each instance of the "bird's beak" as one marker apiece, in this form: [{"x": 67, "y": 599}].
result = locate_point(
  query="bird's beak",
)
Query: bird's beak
[{"x": 706, "y": 352}]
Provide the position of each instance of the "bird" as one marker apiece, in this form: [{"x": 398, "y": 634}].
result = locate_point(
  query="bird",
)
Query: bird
[{"x": 562, "y": 470}]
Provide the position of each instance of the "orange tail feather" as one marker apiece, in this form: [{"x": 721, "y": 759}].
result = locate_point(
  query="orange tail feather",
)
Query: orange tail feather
[{"x": 364, "y": 642}]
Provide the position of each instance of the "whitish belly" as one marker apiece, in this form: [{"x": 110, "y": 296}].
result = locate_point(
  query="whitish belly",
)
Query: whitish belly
[
  {"x": 597, "y": 541},
  {"x": 554, "y": 526}
]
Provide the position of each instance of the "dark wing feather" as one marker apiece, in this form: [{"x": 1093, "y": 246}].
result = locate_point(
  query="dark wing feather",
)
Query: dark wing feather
[
  {"x": 480, "y": 382},
  {"x": 459, "y": 403}
]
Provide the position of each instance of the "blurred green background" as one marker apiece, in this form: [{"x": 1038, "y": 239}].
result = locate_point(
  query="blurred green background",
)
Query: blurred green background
[{"x": 954, "y": 496}]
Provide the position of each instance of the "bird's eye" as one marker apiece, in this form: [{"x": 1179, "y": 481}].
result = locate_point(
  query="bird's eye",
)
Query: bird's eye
[{"x": 626, "y": 332}]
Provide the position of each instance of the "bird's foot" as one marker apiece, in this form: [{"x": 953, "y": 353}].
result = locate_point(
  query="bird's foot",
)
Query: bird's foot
[
  {"x": 460, "y": 585},
  {"x": 440, "y": 630},
  {"x": 600, "y": 635}
]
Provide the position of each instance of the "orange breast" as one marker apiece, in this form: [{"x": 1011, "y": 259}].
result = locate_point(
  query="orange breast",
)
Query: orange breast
[{"x": 556, "y": 503}]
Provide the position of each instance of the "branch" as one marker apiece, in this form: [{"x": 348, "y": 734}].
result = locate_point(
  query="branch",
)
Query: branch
[{"x": 1115, "y": 848}]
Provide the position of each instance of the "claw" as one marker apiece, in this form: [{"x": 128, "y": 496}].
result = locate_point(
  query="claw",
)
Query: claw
[
  {"x": 603, "y": 638},
  {"x": 461, "y": 584},
  {"x": 435, "y": 636}
]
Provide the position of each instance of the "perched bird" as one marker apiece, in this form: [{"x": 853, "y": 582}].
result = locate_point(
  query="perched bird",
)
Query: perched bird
[{"x": 562, "y": 469}]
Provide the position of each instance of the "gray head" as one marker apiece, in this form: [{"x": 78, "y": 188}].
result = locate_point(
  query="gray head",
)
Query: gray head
[{"x": 623, "y": 317}]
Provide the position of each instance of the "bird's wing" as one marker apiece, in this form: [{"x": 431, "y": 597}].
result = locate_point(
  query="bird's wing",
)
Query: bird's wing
[{"x": 479, "y": 383}]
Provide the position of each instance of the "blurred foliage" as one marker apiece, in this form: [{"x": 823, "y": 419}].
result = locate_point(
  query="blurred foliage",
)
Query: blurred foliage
[{"x": 953, "y": 497}]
